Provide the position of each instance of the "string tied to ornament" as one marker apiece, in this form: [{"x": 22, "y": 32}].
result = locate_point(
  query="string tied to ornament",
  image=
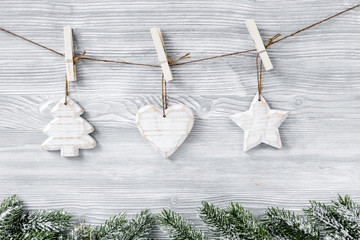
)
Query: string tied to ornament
[
  {"x": 66, "y": 89},
  {"x": 163, "y": 83},
  {"x": 259, "y": 65},
  {"x": 75, "y": 59},
  {"x": 172, "y": 62}
]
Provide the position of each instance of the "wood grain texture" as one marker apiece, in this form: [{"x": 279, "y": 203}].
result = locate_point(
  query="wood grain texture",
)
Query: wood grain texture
[
  {"x": 165, "y": 130},
  {"x": 315, "y": 76},
  {"x": 68, "y": 132},
  {"x": 260, "y": 124}
]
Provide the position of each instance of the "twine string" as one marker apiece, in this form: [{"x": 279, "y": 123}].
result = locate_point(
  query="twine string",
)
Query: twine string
[
  {"x": 163, "y": 83},
  {"x": 163, "y": 95},
  {"x": 260, "y": 65},
  {"x": 66, "y": 90},
  {"x": 76, "y": 59},
  {"x": 193, "y": 61},
  {"x": 172, "y": 62}
]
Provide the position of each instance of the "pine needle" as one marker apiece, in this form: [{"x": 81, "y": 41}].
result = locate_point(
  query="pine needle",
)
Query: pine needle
[
  {"x": 178, "y": 228},
  {"x": 10, "y": 216},
  {"x": 341, "y": 220},
  {"x": 218, "y": 220},
  {"x": 287, "y": 225},
  {"x": 54, "y": 221},
  {"x": 245, "y": 225}
]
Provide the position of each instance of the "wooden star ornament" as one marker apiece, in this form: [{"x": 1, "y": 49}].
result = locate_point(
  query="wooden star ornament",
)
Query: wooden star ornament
[{"x": 260, "y": 124}]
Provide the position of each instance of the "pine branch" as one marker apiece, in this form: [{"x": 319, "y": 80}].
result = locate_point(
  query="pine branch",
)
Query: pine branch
[
  {"x": 244, "y": 224},
  {"x": 54, "y": 221},
  {"x": 10, "y": 216},
  {"x": 31, "y": 235},
  {"x": 81, "y": 232},
  {"x": 326, "y": 219},
  {"x": 217, "y": 220},
  {"x": 349, "y": 214},
  {"x": 140, "y": 226},
  {"x": 178, "y": 228},
  {"x": 286, "y": 225},
  {"x": 339, "y": 221},
  {"x": 112, "y": 227}
]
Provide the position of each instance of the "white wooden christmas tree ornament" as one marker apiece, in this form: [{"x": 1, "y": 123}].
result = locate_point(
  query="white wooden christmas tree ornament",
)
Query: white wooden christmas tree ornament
[
  {"x": 260, "y": 124},
  {"x": 165, "y": 134},
  {"x": 68, "y": 132}
]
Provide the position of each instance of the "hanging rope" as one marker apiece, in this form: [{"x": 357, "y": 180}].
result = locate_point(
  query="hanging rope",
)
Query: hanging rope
[
  {"x": 193, "y": 61},
  {"x": 66, "y": 90},
  {"x": 173, "y": 62},
  {"x": 163, "y": 95},
  {"x": 259, "y": 65},
  {"x": 163, "y": 83}
]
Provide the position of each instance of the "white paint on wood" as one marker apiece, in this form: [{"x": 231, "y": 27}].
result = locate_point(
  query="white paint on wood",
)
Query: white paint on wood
[
  {"x": 165, "y": 134},
  {"x": 316, "y": 77},
  {"x": 161, "y": 53},
  {"x": 69, "y": 54},
  {"x": 68, "y": 131},
  {"x": 260, "y": 124},
  {"x": 259, "y": 44}
]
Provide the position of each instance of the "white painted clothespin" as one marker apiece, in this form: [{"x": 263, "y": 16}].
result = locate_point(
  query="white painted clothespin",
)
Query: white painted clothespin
[
  {"x": 69, "y": 54},
  {"x": 259, "y": 44},
  {"x": 161, "y": 53}
]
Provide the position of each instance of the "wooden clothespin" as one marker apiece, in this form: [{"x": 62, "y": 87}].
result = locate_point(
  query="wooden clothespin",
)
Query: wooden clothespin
[
  {"x": 161, "y": 53},
  {"x": 69, "y": 54},
  {"x": 255, "y": 35}
]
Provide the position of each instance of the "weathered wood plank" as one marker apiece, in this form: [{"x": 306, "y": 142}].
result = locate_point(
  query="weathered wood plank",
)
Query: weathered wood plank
[{"x": 315, "y": 76}]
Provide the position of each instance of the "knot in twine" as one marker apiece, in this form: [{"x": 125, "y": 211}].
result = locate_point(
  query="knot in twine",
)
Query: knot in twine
[
  {"x": 259, "y": 69},
  {"x": 272, "y": 40},
  {"x": 186, "y": 56},
  {"x": 76, "y": 59},
  {"x": 163, "y": 83}
]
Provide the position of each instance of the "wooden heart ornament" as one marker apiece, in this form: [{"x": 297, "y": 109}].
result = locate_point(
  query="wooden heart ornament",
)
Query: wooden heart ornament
[{"x": 165, "y": 134}]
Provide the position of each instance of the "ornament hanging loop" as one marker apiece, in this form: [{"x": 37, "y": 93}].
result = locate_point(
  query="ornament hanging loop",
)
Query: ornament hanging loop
[
  {"x": 259, "y": 74},
  {"x": 163, "y": 83},
  {"x": 163, "y": 95},
  {"x": 66, "y": 90},
  {"x": 259, "y": 66}
]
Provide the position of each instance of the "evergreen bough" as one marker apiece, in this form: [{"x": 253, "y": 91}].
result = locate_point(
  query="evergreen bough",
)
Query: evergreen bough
[
  {"x": 178, "y": 228},
  {"x": 234, "y": 222},
  {"x": 16, "y": 224},
  {"x": 339, "y": 220}
]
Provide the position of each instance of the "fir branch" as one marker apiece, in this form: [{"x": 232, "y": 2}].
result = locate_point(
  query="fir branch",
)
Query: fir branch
[
  {"x": 339, "y": 221},
  {"x": 81, "y": 232},
  {"x": 54, "y": 221},
  {"x": 178, "y": 228},
  {"x": 217, "y": 220},
  {"x": 118, "y": 227},
  {"x": 32, "y": 235},
  {"x": 349, "y": 214},
  {"x": 140, "y": 226},
  {"x": 244, "y": 224},
  {"x": 327, "y": 220},
  {"x": 112, "y": 227},
  {"x": 10, "y": 216},
  {"x": 287, "y": 225}
]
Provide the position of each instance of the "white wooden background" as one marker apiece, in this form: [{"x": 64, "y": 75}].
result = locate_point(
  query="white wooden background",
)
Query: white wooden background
[{"x": 316, "y": 76}]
